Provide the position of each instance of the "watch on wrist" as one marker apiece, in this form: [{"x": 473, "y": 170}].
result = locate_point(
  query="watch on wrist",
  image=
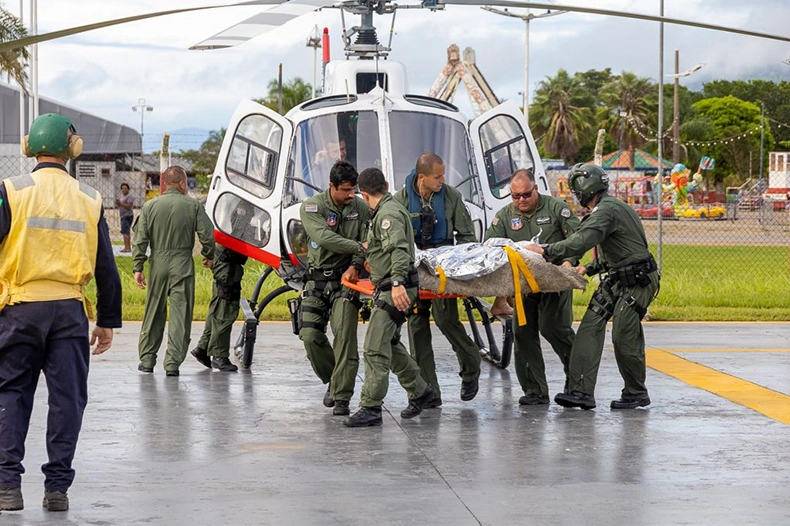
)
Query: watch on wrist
[{"x": 396, "y": 283}]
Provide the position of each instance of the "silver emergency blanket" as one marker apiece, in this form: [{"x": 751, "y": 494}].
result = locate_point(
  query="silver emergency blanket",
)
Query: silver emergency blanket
[{"x": 483, "y": 269}]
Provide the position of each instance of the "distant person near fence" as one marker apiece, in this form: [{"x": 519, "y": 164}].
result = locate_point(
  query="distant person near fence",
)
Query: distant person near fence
[{"x": 125, "y": 205}]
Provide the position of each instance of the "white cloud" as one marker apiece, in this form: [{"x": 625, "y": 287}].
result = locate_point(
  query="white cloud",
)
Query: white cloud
[{"x": 104, "y": 72}]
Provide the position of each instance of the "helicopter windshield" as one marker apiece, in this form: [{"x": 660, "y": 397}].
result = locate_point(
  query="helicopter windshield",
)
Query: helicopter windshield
[
  {"x": 415, "y": 133},
  {"x": 321, "y": 141}
]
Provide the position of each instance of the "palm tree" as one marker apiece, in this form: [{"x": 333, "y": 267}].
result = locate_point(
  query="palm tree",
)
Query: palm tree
[
  {"x": 636, "y": 98},
  {"x": 12, "y": 63},
  {"x": 295, "y": 92},
  {"x": 561, "y": 115}
]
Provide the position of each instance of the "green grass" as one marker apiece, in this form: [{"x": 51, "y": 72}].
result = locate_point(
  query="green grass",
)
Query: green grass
[{"x": 702, "y": 283}]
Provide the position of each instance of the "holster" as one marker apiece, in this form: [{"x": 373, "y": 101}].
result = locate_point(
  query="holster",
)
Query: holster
[
  {"x": 295, "y": 308},
  {"x": 228, "y": 290}
]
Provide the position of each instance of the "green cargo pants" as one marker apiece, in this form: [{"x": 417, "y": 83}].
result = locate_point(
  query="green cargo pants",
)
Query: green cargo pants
[
  {"x": 628, "y": 340},
  {"x": 549, "y": 314},
  {"x": 170, "y": 275},
  {"x": 223, "y": 309},
  {"x": 445, "y": 314},
  {"x": 337, "y": 362},
  {"x": 384, "y": 352}
]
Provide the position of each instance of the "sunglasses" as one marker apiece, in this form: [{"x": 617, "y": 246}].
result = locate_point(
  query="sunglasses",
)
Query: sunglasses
[{"x": 525, "y": 195}]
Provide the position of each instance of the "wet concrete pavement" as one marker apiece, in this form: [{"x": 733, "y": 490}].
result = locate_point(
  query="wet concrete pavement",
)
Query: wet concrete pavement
[{"x": 258, "y": 447}]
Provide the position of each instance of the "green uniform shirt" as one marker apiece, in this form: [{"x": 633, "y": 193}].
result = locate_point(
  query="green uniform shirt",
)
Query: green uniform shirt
[
  {"x": 390, "y": 241},
  {"x": 336, "y": 234},
  {"x": 458, "y": 218},
  {"x": 552, "y": 218},
  {"x": 615, "y": 227},
  {"x": 168, "y": 223}
]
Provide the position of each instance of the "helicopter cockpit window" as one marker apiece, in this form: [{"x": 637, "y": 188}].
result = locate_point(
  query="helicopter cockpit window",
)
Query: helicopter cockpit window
[
  {"x": 415, "y": 133},
  {"x": 505, "y": 150},
  {"x": 319, "y": 142},
  {"x": 252, "y": 161}
]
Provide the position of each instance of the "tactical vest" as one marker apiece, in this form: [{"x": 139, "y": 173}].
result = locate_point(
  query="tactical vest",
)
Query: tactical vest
[{"x": 50, "y": 250}]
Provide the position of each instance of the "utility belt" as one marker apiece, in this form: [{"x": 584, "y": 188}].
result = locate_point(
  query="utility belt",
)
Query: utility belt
[
  {"x": 631, "y": 275},
  {"x": 297, "y": 308},
  {"x": 634, "y": 274},
  {"x": 319, "y": 274},
  {"x": 412, "y": 280}
]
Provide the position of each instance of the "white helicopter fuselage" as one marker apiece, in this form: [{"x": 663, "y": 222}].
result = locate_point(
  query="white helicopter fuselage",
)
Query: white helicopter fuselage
[{"x": 269, "y": 164}]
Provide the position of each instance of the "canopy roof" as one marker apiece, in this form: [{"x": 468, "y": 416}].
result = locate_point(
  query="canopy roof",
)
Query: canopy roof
[{"x": 621, "y": 159}]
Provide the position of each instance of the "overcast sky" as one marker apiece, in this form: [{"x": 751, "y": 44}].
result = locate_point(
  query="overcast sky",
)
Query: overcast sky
[{"x": 105, "y": 72}]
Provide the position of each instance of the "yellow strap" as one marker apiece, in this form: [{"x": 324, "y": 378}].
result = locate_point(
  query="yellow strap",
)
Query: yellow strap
[
  {"x": 519, "y": 266},
  {"x": 442, "y": 278}
]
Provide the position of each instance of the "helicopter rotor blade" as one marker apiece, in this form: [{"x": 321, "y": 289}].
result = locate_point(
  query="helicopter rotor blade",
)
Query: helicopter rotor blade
[
  {"x": 53, "y": 35},
  {"x": 621, "y": 14},
  {"x": 262, "y": 23}
]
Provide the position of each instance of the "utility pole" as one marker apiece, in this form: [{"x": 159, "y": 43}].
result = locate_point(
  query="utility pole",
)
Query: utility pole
[
  {"x": 676, "y": 105},
  {"x": 527, "y": 18},
  {"x": 314, "y": 41}
]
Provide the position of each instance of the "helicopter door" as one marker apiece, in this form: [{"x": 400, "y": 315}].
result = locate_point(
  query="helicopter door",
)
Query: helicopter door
[
  {"x": 244, "y": 200},
  {"x": 503, "y": 144}
]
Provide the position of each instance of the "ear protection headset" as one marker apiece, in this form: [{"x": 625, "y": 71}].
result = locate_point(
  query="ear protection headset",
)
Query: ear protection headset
[{"x": 52, "y": 134}]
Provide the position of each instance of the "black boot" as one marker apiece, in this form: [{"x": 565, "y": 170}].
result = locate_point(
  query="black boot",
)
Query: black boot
[
  {"x": 630, "y": 403},
  {"x": 469, "y": 390},
  {"x": 534, "y": 399},
  {"x": 223, "y": 364},
  {"x": 328, "y": 400},
  {"x": 365, "y": 417},
  {"x": 418, "y": 404},
  {"x": 341, "y": 408},
  {"x": 575, "y": 399},
  {"x": 201, "y": 356}
]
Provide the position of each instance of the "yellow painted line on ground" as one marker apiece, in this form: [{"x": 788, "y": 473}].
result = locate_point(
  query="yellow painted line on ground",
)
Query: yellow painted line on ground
[
  {"x": 770, "y": 403},
  {"x": 727, "y": 349}
]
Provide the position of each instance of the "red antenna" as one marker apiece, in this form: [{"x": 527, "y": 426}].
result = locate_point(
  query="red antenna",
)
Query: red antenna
[{"x": 325, "y": 45}]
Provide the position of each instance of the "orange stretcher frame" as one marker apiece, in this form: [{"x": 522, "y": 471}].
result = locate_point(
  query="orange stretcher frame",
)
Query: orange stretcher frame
[{"x": 364, "y": 286}]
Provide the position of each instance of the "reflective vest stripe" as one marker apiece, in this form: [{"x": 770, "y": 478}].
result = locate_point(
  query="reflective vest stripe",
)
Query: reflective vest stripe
[
  {"x": 22, "y": 181},
  {"x": 87, "y": 190},
  {"x": 56, "y": 224}
]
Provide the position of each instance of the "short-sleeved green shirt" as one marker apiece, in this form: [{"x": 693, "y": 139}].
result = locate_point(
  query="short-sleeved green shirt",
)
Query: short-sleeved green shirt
[
  {"x": 552, "y": 219},
  {"x": 335, "y": 234}
]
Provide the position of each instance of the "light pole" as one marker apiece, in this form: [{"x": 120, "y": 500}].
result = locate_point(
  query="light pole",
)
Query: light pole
[
  {"x": 314, "y": 41},
  {"x": 527, "y": 18},
  {"x": 142, "y": 108},
  {"x": 676, "y": 105}
]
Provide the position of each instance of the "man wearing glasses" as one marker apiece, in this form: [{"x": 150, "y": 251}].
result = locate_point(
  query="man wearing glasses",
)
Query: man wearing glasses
[{"x": 548, "y": 313}]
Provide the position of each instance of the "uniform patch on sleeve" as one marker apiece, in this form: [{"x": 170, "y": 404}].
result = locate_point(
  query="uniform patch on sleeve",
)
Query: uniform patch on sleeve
[
  {"x": 385, "y": 224},
  {"x": 566, "y": 212},
  {"x": 310, "y": 208},
  {"x": 495, "y": 221}
]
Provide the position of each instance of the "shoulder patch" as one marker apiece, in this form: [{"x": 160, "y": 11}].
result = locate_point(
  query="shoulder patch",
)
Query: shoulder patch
[
  {"x": 385, "y": 224},
  {"x": 495, "y": 221},
  {"x": 594, "y": 209},
  {"x": 565, "y": 212},
  {"x": 310, "y": 207}
]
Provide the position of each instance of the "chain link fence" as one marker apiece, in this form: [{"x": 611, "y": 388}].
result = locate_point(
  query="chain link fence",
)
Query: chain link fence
[{"x": 706, "y": 247}]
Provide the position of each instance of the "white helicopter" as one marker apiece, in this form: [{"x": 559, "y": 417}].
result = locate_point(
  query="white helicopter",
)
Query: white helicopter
[{"x": 269, "y": 164}]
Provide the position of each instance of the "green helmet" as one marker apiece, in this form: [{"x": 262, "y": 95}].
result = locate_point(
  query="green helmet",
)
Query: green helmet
[
  {"x": 49, "y": 134},
  {"x": 587, "y": 181}
]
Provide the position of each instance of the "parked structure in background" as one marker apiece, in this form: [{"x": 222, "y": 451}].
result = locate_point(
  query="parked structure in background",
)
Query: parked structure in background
[{"x": 456, "y": 71}]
